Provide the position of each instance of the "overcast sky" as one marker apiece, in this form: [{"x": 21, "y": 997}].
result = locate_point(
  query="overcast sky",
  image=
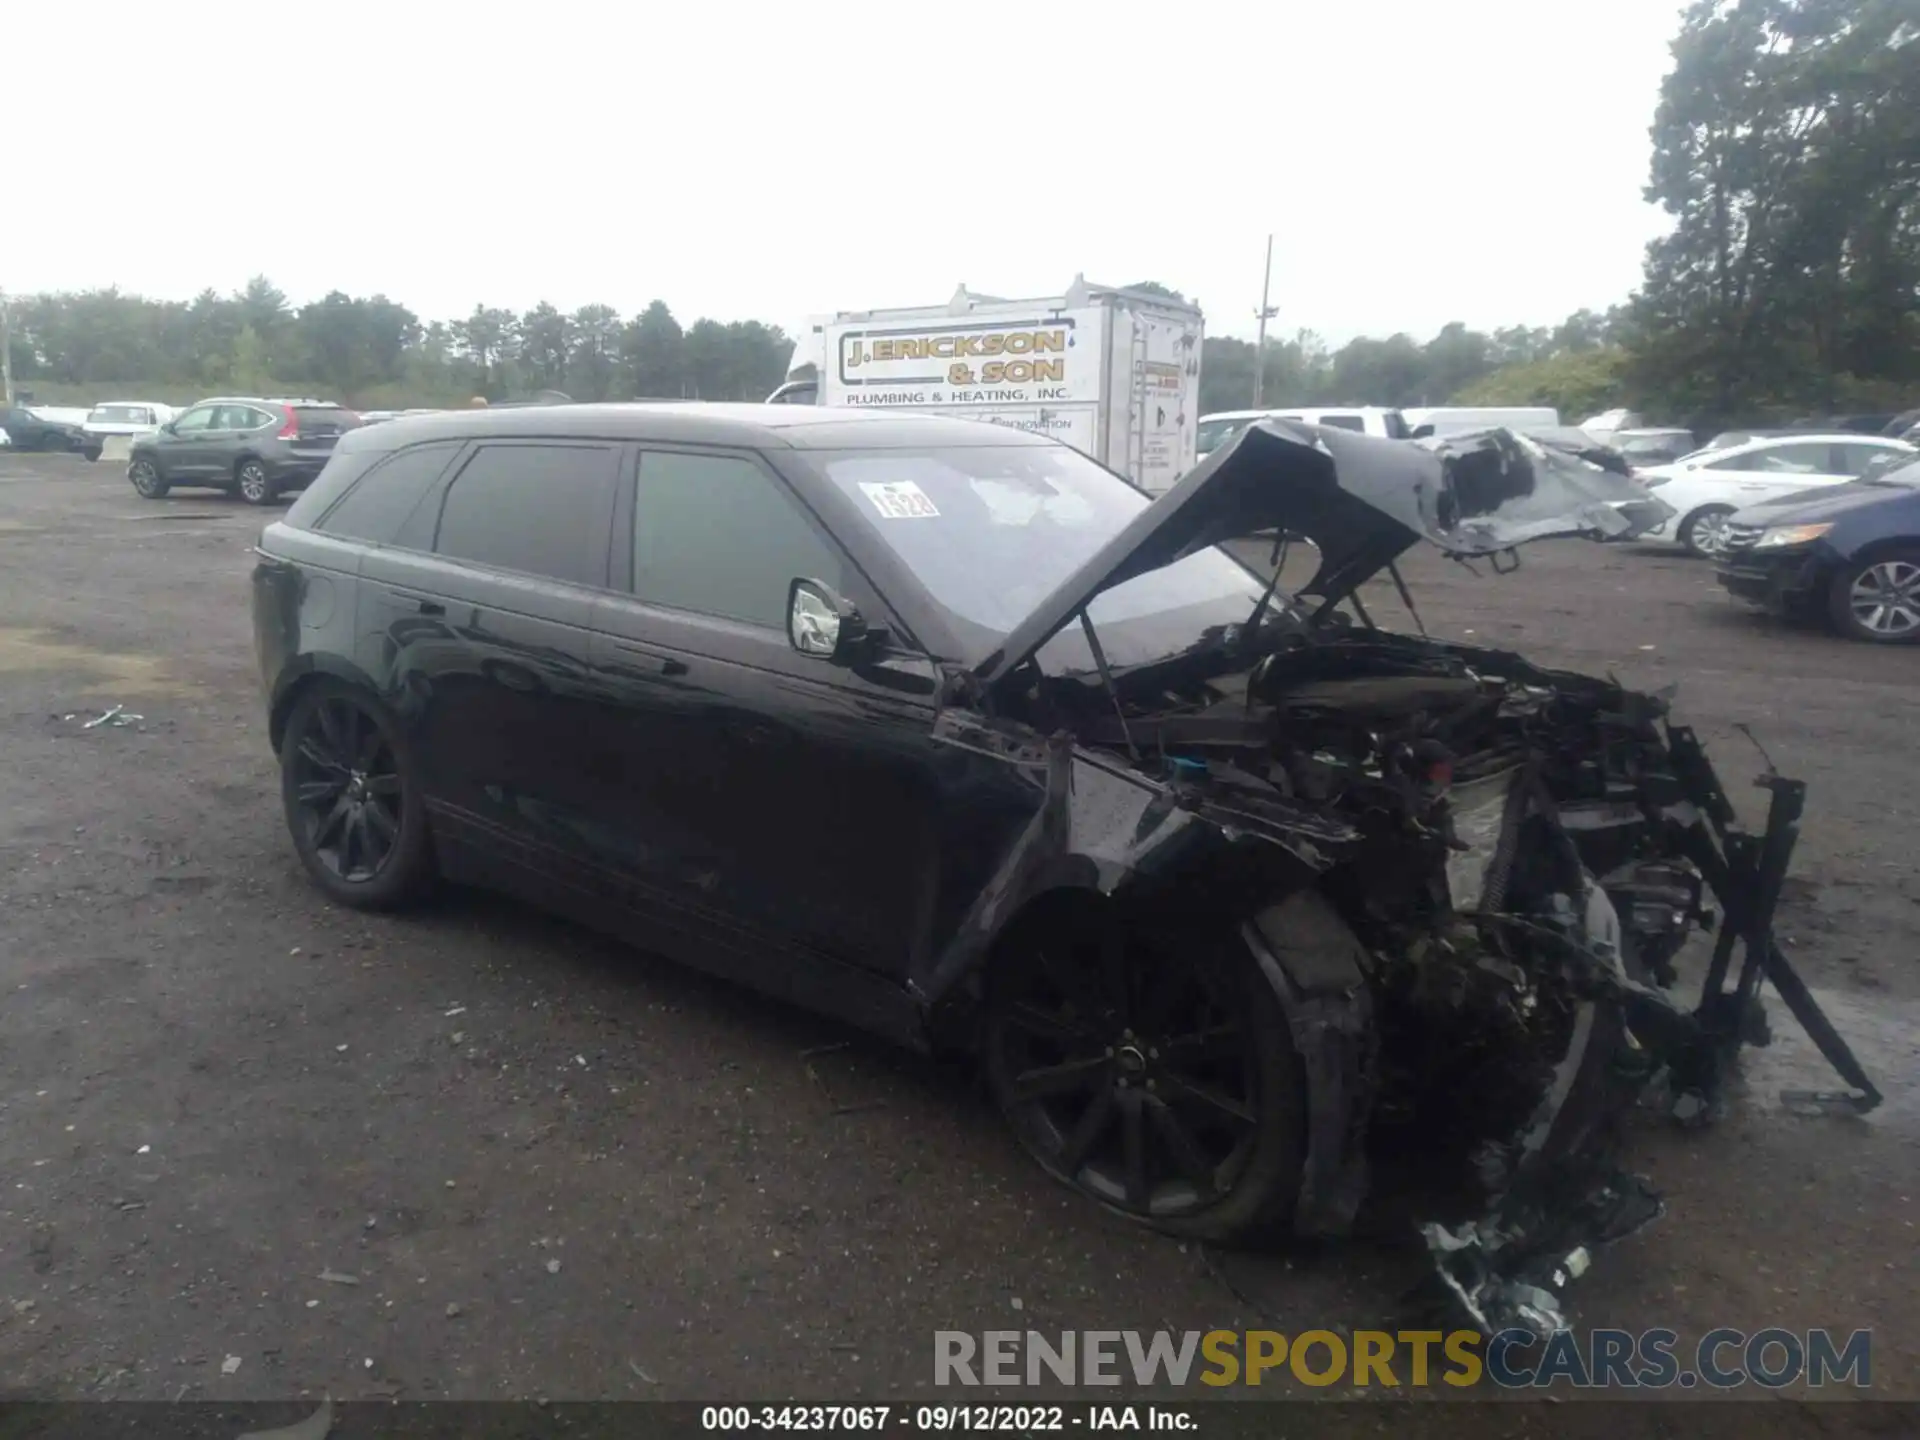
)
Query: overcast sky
[{"x": 1480, "y": 160}]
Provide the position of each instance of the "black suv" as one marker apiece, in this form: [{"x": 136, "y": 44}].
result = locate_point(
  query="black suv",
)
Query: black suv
[
  {"x": 248, "y": 447},
  {"x": 947, "y": 729},
  {"x": 28, "y": 431}
]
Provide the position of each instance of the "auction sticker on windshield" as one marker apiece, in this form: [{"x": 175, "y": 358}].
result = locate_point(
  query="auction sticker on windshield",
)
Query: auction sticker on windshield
[{"x": 901, "y": 500}]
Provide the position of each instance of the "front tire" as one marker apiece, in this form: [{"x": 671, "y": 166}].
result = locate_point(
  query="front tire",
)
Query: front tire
[
  {"x": 253, "y": 483},
  {"x": 352, "y": 798},
  {"x": 1157, "y": 1079},
  {"x": 1878, "y": 599},
  {"x": 147, "y": 481},
  {"x": 1703, "y": 531}
]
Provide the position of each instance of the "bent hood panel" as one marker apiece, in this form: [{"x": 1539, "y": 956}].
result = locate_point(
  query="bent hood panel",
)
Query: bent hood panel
[{"x": 1363, "y": 501}]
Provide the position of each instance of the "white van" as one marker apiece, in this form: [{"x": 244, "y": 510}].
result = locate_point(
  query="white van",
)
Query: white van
[
  {"x": 126, "y": 417},
  {"x": 1221, "y": 426},
  {"x": 1459, "y": 419}
]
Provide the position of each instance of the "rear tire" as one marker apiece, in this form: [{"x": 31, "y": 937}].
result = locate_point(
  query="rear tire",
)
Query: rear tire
[
  {"x": 350, "y": 789},
  {"x": 252, "y": 483},
  {"x": 1158, "y": 1081},
  {"x": 1878, "y": 599},
  {"x": 1700, "y": 531},
  {"x": 146, "y": 479}
]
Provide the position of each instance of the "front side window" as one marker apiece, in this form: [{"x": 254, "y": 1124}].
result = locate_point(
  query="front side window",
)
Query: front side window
[
  {"x": 197, "y": 419},
  {"x": 540, "y": 509},
  {"x": 719, "y": 535},
  {"x": 376, "y": 507},
  {"x": 1857, "y": 460},
  {"x": 992, "y": 530}
]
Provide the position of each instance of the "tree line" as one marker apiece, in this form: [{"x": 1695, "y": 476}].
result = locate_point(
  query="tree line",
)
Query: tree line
[
  {"x": 1786, "y": 148},
  {"x": 373, "y": 352}
]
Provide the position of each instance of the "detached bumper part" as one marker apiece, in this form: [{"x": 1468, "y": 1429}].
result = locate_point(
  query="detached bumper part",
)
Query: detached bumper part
[{"x": 1498, "y": 1280}]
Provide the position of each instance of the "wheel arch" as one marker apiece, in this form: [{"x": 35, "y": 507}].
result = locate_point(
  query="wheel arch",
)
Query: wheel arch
[
  {"x": 1879, "y": 549},
  {"x": 301, "y": 675}
]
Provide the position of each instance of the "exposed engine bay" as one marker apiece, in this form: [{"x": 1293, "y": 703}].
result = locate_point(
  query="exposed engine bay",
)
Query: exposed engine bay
[
  {"x": 1468, "y": 878},
  {"x": 1521, "y": 855}
]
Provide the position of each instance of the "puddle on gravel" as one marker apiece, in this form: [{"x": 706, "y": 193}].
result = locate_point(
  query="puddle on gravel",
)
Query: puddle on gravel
[{"x": 28, "y": 652}]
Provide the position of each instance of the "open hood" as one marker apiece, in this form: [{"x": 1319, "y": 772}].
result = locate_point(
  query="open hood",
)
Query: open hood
[{"x": 1362, "y": 501}]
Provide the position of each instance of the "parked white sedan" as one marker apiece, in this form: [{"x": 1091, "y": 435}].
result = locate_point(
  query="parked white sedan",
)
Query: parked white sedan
[{"x": 1704, "y": 488}]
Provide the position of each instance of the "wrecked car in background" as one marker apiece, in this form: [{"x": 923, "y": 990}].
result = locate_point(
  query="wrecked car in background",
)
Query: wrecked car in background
[{"x": 1254, "y": 913}]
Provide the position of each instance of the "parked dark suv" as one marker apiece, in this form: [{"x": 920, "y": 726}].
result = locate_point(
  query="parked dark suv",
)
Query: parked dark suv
[
  {"x": 252, "y": 448},
  {"x": 944, "y": 728}
]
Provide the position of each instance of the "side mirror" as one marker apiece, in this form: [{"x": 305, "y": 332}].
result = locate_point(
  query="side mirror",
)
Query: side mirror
[
  {"x": 167, "y": 429},
  {"x": 822, "y": 623}
]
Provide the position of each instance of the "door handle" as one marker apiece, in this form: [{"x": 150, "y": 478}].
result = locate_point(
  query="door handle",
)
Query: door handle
[
  {"x": 668, "y": 665},
  {"x": 419, "y": 602}
]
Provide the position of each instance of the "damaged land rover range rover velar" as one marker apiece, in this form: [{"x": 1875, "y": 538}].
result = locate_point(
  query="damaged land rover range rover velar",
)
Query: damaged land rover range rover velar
[{"x": 1259, "y": 917}]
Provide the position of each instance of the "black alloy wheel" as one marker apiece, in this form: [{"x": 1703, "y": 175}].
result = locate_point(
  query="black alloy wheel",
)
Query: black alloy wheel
[
  {"x": 254, "y": 485},
  {"x": 356, "y": 816},
  {"x": 1160, "y": 1083},
  {"x": 145, "y": 478}
]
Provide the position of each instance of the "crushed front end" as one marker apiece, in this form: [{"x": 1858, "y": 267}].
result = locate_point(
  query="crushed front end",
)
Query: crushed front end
[{"x": 1467, "y": 878}]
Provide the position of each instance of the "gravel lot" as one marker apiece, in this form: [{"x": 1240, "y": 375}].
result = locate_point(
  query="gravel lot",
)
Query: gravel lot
[{"x": 553, "y": 1167}]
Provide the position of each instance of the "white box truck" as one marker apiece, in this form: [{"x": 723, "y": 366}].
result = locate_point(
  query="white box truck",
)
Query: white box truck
[{"x": 1114, "y": 373}]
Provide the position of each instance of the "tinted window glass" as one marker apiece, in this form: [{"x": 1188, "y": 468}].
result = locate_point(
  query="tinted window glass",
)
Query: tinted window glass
[
  {"x": 379, "y": 505},
  {"x": 541, "y": 509},
  {"x": 718, "y": 535},
  {"x": 1345, "y": 422}
]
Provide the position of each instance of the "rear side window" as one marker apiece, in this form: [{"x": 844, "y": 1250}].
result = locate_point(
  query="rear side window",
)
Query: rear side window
[
  {"x": 1809, "y": 459},
  {"x": 1344, "y": 422},
  {"x": 541, "y": 509},
  {"x": 718, "y": 535},
  {"x": 1858, "y": 459},
  {"x": 238, "y": 417},
  {"x": 376, "y": 507}
]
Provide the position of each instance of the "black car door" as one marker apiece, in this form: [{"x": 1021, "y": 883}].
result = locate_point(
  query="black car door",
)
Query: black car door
[
  {"x": 757, "y": 791},
  {"x": 482, "y": 645}
]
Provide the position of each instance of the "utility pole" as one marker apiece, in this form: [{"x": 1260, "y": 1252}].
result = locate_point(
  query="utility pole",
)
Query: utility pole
[
  {"x": 1265, "y": 313},
  {"x": 6, "y": 355}
]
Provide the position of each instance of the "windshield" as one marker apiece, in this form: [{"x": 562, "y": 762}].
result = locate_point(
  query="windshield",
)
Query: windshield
[
  {"x": 992, "y": 530},
  {"x": 1212, "y": 434}
]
